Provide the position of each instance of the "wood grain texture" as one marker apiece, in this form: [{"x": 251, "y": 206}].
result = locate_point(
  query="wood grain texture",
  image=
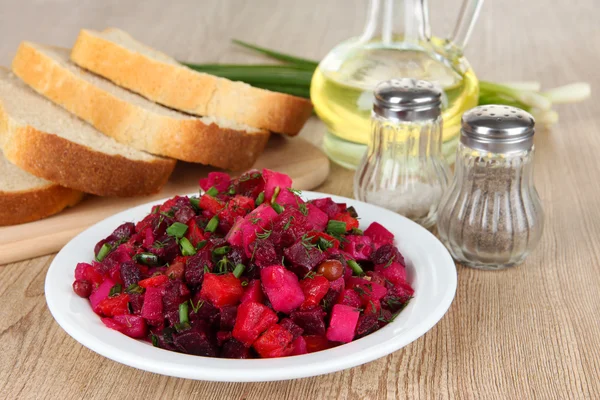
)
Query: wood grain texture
[{"x": 529, "y": 332}]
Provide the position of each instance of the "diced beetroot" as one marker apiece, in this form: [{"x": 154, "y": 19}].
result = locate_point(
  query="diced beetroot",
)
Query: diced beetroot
[
  {"x": 195, "y": 234},
  {"x": 299, "y": 346},
  {"x": 335, "y": 288},
  {"x": 314, "y": 290},
  {"x": 234, "y": 349},
  {"x": 228, "y": 315},
  {"x": 220, "y": 181},
  {"x": 80, "y": 271},
  {"x": 282, "y": 288},
  {"x": 372, "y": 307},
  {"x": 264, "y": 253},
  {"x": 288, "y": 198},
  {"x": 175, "y": 292},
  {"x": 194, "y": 268},
  {"x": 291, "y": 326},
  {"x": 133, "y": 325},
  {"x": 185, "y": 214},
  {"x": 148, "y": 238},
  {"x": 196, "y": 341},
  {"x": 202, "y": 310},
  {"x": 256, "y": 222},
  {"x": 394, "y": 272},
  {"x": 130, "y": 273},
  {"x": 211, "y": 204},
  {"x": 275, "y": 342},
  {"x": 303, "y": 259},
  {"x": 317, "y": 218},
  {"x": 379, "y": 234},
  {"x": 385, "y": 254},
  {"x": 136, "y": 302},
  {"x": 250, "y": 184},
  {"x": 112, "y": 306},
  {"x": 152, "y": 310},
  {"x": 366, "y": 289},
  {"x": 316, "y": 343},
  {"x": 154, "y": 281},
  {"x": 366, "y": 324},
  {"x": 177, "y": 268},
  {"x": 253, "y": 292},
  {"x": 91, "y": 275},
  {"x": 288, "y": 227},
  {"x": 101, "y": 293},
  {"x": 223, "y": 336},
  {"x": 342, "y": 324},
  {"x": 235, "y": 235},
  {"x": 359, "y": 247},
  {"x": 328, "y": 206},
  {"x": 112, "y": 324},
  {"x": 311, "y": 321},
  {"x": 222, "y": 290},
  {"x": 397, "y": 296},
  {"x": 349, "y": 298},
  {"x": 252, "y": 320},
  {"x": 274, "y": 179}
]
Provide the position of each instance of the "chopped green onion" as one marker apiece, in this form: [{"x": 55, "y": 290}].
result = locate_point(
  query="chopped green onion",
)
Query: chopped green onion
[
  {"x": 103, "y": 252},
  {"x": 212, "y": 192},
  {"x": 356, "y": 231},
  {"x": 212, "y": 224},
  {"x": 177, "y": 229},
  {"x": 324, "y": 244},
  {"x": 275, "y": 194},
  {"x": 146, "y": 258},
  {"x": 239, "y": 270},
  {"x": 277, "y": 207},
  {"x": 201, "y": 244},
  {"x": 260, "y": 199},
  {"x": 231, "y": 191},
  {"x": 154, "y": 340},
  {"x": 336, "y": 227},
  {"x": 355, "y": 267},
  {"x": 183, "y": 313},
  {"x": 182, "y": 326},
  {"x": 221, "y": 250},
  {"x": 206, "y": 269},
  {"x": 244, "y": 283},
  {"x": 352, "y": 211},
  {"x": 186, "y": 247},
  {"x": 115, "y": 290},
  {"x": 195, "y": 203},
  {"x": 134, "y": 288}
]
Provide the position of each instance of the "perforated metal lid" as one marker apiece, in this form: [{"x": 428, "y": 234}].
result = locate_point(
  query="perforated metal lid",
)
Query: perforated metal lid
[
  {"x": 407, "y": 99},
  {"x": 497, "y": 128}
]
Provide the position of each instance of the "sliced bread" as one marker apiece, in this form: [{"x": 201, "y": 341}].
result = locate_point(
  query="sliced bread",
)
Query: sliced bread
[
  {"x": 133, "y": 120},
  {"x": 26, "y": 198},
  {"x": 46, "y": 141},
  {"x": 115, "y": 55}
]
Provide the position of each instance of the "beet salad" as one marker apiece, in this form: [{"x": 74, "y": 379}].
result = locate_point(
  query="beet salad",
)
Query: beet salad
[{"x": 248, "y": 269}]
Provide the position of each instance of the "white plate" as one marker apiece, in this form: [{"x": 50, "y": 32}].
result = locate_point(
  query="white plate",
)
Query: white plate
[{"x": 430, "y": 268}]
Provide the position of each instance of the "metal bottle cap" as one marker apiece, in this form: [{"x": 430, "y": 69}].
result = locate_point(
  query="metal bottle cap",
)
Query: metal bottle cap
[
  {"x": 497, "y": 128},
  {"x": 407, "y": 99}
]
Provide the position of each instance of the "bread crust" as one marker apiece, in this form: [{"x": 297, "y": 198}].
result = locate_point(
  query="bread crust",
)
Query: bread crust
[
  {"x": 32, "y": 205},
  {"x": 181, "y": 88},
  {"x": 188, "y": 139}
]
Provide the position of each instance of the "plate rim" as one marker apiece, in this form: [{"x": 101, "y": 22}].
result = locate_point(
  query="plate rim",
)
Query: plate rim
[{"x": 172, "y": 363}]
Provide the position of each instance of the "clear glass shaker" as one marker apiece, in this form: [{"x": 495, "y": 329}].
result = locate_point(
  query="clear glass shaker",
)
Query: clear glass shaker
[
  {"x": 403, "y": 169},
  {"x": 491, "y": 216}
]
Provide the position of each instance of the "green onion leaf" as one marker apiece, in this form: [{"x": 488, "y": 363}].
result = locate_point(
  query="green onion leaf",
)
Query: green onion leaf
[
  {"x": 115, "y": 290},
  {"x": 195, "y": 203},
  {"x": 275, "y": 194},
  {"x": 356, "y": 231},
  {"x": 212, "y": 224},
  {"x": 182, "y": 326},
  {"x": 183, "y": 313},
  {"x": 201, "y": 244},
  {"x": 219, "y": 251},
  {"x": 177, "y": 229},
  {"x": 336, "y": 227},
  {"x": 186, "y": 247},
  {"x": 103, "y": 252},
  {"x": 277, "y": 207},
  {"x": 260, "y": 199},
  {"x": 134, "y": 288},
  {"x": 212, "y": 192},
  {"x": 146, "y": 258},
  {"x": 239, "y": 270},
  {"x": 154, "y": 340},
  {"x": 355, "y": 267},
  {"x": 278, "y": 56}
]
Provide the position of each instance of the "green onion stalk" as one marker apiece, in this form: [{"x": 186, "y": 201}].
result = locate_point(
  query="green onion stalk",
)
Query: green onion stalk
[{"x": 295, "y": 75}]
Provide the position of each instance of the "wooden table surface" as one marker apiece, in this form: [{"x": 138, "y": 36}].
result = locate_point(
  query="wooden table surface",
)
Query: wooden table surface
[{"x": 529, "y": 332}]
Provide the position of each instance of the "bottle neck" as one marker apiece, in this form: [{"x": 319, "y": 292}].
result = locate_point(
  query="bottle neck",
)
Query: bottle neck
[{"x": 397, "y": 21}]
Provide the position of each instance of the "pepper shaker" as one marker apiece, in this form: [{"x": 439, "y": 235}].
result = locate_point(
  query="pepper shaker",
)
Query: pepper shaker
[
  {"x": 403, "y": 169},
  {"x": 491, "y": 216}
]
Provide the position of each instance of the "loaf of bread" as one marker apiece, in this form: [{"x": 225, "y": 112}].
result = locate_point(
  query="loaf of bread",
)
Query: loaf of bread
[
  {"x": 48, "y": 142},
  {"x": 118, "y": 57},
  {"x": 133, "y": 120}
]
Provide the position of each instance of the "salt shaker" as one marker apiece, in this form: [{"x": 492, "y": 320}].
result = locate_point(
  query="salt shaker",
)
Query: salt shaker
[
  {"x": 403, "y": 169},
  {"x": 491, "y": 216}
]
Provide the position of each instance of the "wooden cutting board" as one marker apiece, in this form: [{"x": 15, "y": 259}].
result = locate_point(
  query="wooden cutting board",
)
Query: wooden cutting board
[{"x": 304, "y": 162}]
